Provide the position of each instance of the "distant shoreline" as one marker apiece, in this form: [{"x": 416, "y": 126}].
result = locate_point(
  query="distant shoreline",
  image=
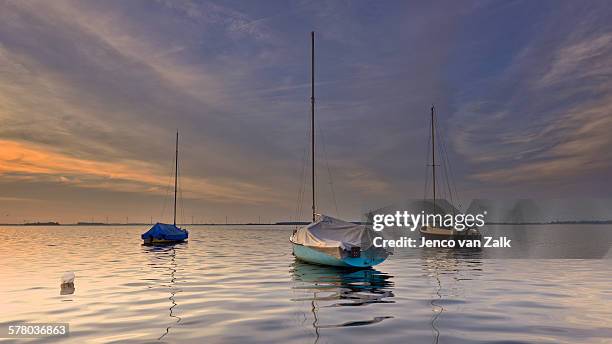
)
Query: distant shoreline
[
  {"x": 33, "y": 224},
  {"x": 150, "y": 224},
  {"x": 584, "y": 222},
  {"x": 294, "y": 223}
]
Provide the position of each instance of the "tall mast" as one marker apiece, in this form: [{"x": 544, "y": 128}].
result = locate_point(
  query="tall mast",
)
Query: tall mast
[
  {"x": 312, "y": 119},
  {"x": 433, "y": 156},
  {"x": 175, "y": 177}
]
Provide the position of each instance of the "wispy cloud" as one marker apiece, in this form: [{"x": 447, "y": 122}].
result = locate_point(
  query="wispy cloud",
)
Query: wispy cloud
[
  {"x": 585, "y": 58},
  {"x": 92, "y": 92},
  {"x": 552, "y": 122}
]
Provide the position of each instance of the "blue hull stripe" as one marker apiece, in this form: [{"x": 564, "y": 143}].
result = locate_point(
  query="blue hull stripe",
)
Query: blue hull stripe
[{"x": 313, "y": 256}]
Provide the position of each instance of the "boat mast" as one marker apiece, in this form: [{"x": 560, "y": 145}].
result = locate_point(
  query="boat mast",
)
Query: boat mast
[
  {"x": 312, "y": 119},
  {"x": 175, "y": 177},
  {"x": 433, "y": 156}
]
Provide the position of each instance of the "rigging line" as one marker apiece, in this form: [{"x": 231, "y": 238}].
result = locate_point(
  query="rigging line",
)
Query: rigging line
[
  {"x": 300, "y": 199},
  {"x": 449, "y": 179},
  {"x": 427, "y": 166},
  {"x": 443, "y": 162},
  {"x": 182, "y": 203},
  {"x": 303, "y": 181},
  {"x": 167, "y": 193},
  {"x": 452, "y": 176},
  {"x": 452, "y": 186},
  {"x": 180, "y": 192},
  {"x": 302, "y": 187},
  {"x": 442, "y": 153},
  {"x": 325, "y": 157}
]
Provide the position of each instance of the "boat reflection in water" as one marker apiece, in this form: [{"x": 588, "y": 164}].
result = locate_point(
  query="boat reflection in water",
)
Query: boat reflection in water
[
  {"x": 67, "y": 289},
  {"x": 321, "y": 287},
  {"x": 165, "y": 261}
]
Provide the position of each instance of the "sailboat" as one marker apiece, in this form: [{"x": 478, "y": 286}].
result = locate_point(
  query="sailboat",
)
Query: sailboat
[
  {"x": 162, "y": 233},
  {"x": 440, "y": 232},
  {"x": 327, "y": 240}
]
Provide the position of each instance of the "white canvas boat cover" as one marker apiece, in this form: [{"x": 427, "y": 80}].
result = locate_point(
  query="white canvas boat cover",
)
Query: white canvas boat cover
[{"x": 329, "y": 232}]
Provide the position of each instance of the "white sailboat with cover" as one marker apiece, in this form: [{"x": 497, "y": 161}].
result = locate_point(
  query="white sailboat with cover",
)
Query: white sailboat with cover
[{"x": 328, "y": 240}]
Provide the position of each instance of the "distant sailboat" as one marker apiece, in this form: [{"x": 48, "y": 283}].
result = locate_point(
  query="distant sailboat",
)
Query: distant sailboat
[
  {"x": 327, "y": 240},
  {"x": 162, "y": 233},
  {"x": 439, "y": 232}
]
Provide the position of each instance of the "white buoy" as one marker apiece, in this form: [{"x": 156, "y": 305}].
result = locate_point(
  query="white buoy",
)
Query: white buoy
[{"x": 68, "y": 278}]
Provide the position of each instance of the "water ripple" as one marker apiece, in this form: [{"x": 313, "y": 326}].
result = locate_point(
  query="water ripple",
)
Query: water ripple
[{"x": 232, "y": 284}]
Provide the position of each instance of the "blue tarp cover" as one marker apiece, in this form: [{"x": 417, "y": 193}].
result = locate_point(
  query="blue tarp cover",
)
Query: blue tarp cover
[{"x": 166, "y": 232}]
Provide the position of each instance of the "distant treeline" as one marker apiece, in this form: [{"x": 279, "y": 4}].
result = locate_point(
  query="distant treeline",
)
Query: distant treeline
[
  {"x": 288, "y": 223},
  {"x": 581, "y": 222},
  {"x": 52, "y": 223}
]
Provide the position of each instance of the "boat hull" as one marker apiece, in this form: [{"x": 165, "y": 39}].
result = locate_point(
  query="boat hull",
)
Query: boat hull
[
  {"x": 313, "y": 256},
  {"x": 445, "y": 234},
  {"x": 161, "y": 242}
]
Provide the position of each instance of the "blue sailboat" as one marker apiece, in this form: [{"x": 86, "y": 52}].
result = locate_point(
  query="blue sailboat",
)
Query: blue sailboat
[
  {"x": 327, "y": 240},
  {"x": 162, "y": 233}
]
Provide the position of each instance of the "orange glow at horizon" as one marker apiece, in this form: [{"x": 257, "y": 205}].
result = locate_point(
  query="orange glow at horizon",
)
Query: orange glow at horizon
[
  {"x": 25, "y": 161},
  {"x": 17, "y": 157}
]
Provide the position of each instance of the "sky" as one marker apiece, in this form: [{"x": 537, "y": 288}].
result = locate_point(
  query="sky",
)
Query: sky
[{"x": 92, "y": 93}]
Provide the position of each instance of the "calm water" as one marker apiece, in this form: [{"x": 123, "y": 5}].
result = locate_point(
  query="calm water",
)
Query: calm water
[{"x": 234, "y": 285}]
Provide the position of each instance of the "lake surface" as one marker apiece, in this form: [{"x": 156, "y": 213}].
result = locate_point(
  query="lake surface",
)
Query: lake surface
[{"x": 242, "y": 285}]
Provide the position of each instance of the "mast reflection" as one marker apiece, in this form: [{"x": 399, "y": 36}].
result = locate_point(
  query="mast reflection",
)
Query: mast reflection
[
  {"x": 457, "y": 264},
  {"x": 167, "y": 253}
]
